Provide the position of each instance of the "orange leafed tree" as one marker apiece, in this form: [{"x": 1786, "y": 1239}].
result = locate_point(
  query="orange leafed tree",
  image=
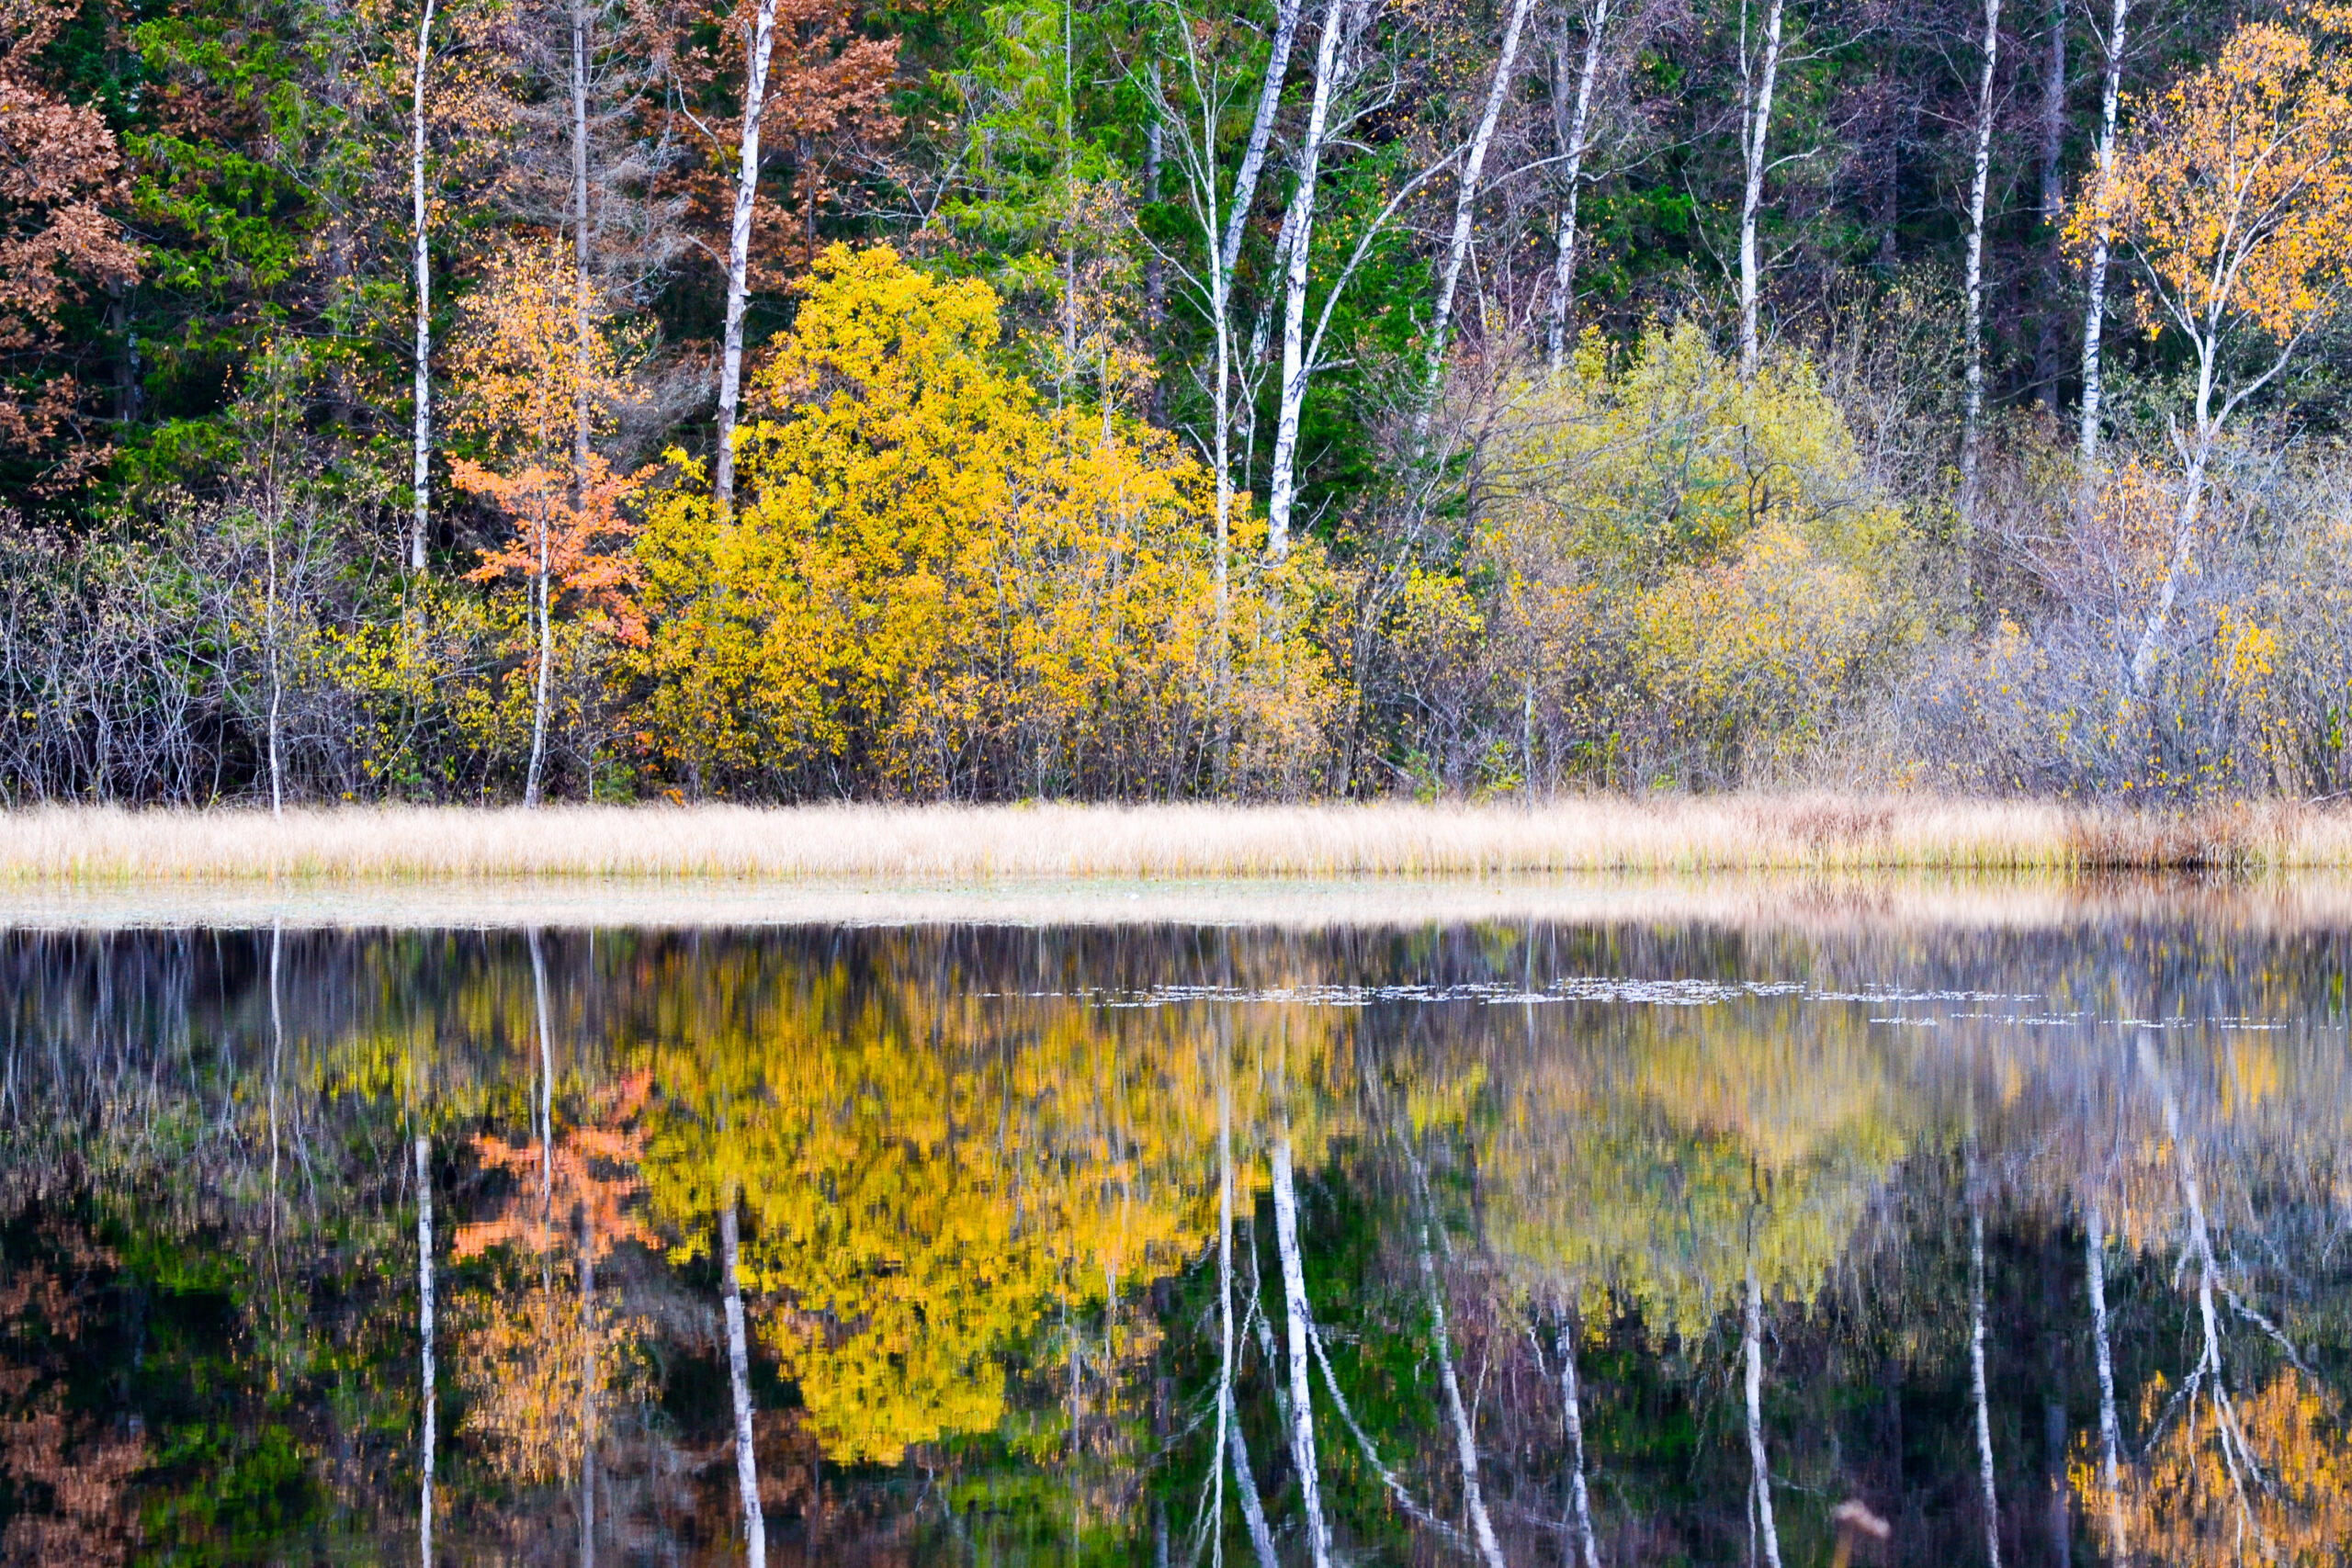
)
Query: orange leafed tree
[
  {"x": 58, "y": 167},
  {"x": 524, "y": 371},
  {"x": 2235, "y": 195}
]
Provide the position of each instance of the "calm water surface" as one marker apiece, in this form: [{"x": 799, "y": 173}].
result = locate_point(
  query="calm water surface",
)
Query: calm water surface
[{"x": 1500, "y": 1244}]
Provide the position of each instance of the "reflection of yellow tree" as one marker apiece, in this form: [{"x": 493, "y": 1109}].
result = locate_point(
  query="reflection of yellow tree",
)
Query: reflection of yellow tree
[
  {"x": 2274, "y": 1485},
  {"x": 1662, "y": 1161},
  {"x": 932, "y": 1175}
]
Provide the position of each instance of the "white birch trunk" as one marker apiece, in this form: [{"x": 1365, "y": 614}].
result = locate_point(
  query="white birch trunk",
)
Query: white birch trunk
[
  {"x": 2110, "y": 1433},
  {"x": 2095, "y": 266},
  {"x": 1261, "y": 129},
  {"x": 269, "y": 634},
  {"x": 1572, "y": 149},
  {"x": 738, "y": 1370},
  {"x": 1465, "y": 198},
  {"x": 1572, "y": 1399},
  {"x": 1302, "y": 1410},
  {"x": 1758, "y": 77},
  {"x": 738, "y": 254},
  {"x": 424, "y": 1339},
  {"x": 539, "y": 697},
  {"x": 1760, "y": 1485},
  {"x": 1281, "y": 481},
  {"x": 1465, "y": 1442},
  {"x": 1972, "y": 404},
  {"x": 421, "y": 217},
  {"x": 2192, "y": 501}
]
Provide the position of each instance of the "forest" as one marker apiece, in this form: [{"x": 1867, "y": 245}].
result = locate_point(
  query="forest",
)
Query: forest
[{"x": 766, "y": 400}]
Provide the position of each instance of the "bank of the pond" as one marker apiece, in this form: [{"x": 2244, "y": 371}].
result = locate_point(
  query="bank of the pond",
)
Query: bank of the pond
[{"x": 928, "y": 845}]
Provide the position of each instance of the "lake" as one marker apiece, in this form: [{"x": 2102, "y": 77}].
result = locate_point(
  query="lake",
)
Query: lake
[{"x": 1790, "y": 1226}]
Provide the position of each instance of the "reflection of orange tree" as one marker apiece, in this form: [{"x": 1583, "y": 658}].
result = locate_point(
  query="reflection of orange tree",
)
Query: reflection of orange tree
[
  {"x": 2270, "y": 1482},
  {"x": 65, "y": 1474},
  {"x": 932, "y": 1179},
  {"x": 535, "y": 1354}
]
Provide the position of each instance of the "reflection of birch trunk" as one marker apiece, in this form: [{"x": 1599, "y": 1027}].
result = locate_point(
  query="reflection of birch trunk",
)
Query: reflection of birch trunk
[
  {"x": 2110, "y": 1431},
  {"x": 2208, "y": 1369},
  {"x": 277, "y": 1060},
  {"x": 543, "y": 1113},
  {"x": 1228, "y": 1428},
  {"x": 1570, "y": 1396},
  {"x": 1760, "y": 1485},
  {"x": 1976, "y": 1367},
  {"x": 1465, "y": 1442},
  {"x": 424, "y": 1337},
  {"x": 1302, "y": 1410},
  {"x": 739, "y": 1369}
]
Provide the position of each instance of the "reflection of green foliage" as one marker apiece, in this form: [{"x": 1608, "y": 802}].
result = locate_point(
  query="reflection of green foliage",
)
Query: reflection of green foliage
[{"x": 1698, "y": 1142}]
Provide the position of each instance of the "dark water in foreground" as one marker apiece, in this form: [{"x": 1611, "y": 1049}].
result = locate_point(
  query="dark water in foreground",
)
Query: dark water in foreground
[{"x": 1637, "y": 1205}]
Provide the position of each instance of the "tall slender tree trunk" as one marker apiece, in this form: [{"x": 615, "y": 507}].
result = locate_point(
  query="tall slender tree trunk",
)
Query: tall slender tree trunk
[
  {"x": 738, "y": 253},
  {"x": 1972, "y": 408},
  {"x": 422, "y": 219},
  {"x": 1571, "y": 1398},
  {"x": 1295, "y": 1308},
  {"x": 1155, "y": 267},
  {"x": 1572, "y": 132},
  {"x": 542, "y": 687},
  {"x": 1465, "y": 198},
  {"x": 1758, "y": 74},
  {"x": 580, "y": 244},
  {"x": 738, "y": 1372},
  {"x": 2110, "y": 1435},
  {"x": 1262, "y": 130},
  {"x": 270, "y": 636},
  {"x": 2102, "y": 232},
  {"x": 2150, "y": 646},
  {"x": 1760, "y": 1482},
  {"x": 424, "y": 1340},
  {"x": 2053, "y": 200},
  {"x": 1281, "y": 487}
]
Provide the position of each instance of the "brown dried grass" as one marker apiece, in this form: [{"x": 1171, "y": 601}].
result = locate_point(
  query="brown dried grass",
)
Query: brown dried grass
[{"x": 932, "y": 845}]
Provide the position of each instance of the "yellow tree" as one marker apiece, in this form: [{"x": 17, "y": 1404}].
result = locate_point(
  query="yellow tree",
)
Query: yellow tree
[
  {"x": 525, "y": 371},
  {"x": 2236, "y": 196}
]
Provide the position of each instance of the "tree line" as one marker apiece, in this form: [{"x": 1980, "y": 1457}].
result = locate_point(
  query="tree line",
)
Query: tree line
[{"x": 488, "y": 400}]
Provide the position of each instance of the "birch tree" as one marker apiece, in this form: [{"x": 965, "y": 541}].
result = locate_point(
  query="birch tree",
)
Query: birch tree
[
  {"x": 2110, "y": 1432},
  {"x": 421, "y": 215},
  {"x": 1572, "y": 1402},
  {"x": 1751, "y": 1347},
  {"x": 1572, "y": 125},
  {"x": 2236, "y": 200},
  {"x": 758, "y": 49},
  {"x": 1759, "y": 72},
  {"x": 2097, "y": 230},
  {"x": 1467, "y": 192},
  {"x": 1291, "y": 393},
  {"x": 1972, "y": 267}
]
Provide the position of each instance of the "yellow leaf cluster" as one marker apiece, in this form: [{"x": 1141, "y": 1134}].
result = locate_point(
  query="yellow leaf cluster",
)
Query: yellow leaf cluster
[{"x": 935, "y": 584}]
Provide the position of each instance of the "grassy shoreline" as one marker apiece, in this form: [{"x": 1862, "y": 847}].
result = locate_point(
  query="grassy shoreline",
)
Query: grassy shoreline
[{"x": 58, "y": 847}]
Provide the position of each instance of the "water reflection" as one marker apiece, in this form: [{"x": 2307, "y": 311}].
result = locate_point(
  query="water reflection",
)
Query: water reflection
[{"x": 1504, "y": 1245}]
